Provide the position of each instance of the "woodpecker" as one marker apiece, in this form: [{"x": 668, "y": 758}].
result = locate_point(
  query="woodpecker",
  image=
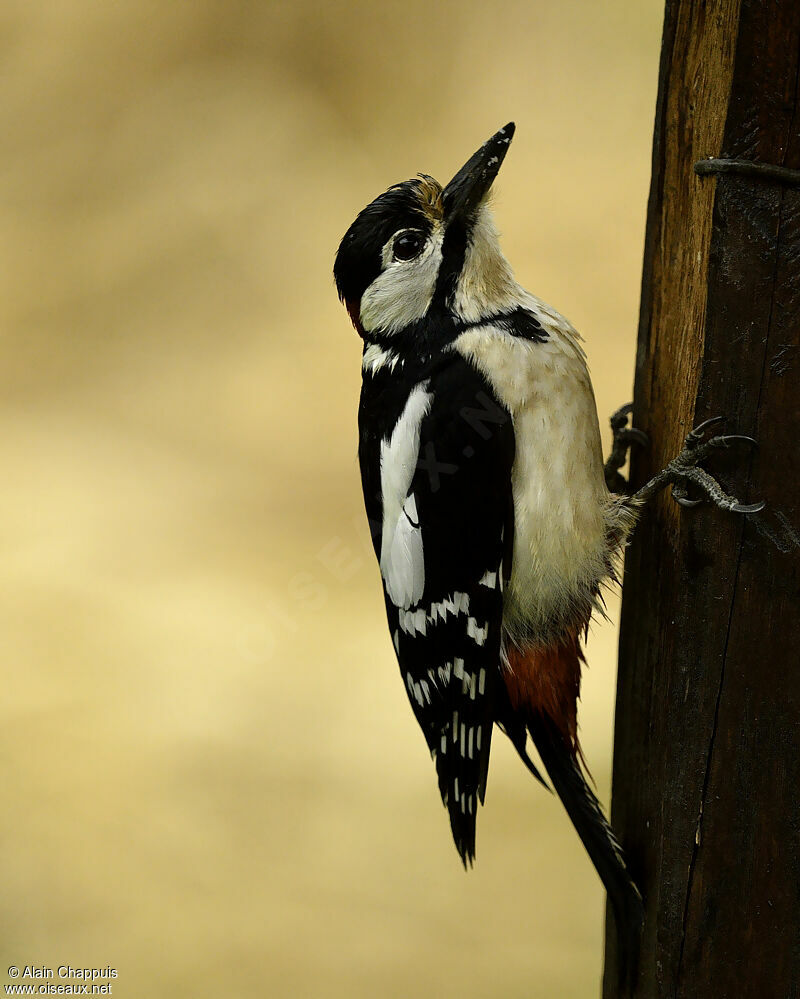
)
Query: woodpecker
[{"x": 486, "y": 493}]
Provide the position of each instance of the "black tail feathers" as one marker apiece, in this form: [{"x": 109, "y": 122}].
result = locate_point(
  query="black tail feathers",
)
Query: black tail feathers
[{"x": 597, "y": 836}]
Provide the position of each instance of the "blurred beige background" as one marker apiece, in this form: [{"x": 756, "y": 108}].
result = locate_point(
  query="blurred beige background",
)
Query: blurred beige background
[{"x": 211, "y": 779}]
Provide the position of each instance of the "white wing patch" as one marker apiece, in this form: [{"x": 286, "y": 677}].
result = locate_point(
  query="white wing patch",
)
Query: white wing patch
[{"x": 402, "y": 561}]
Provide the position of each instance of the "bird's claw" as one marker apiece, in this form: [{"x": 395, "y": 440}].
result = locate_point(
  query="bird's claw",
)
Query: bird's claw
[
  {"x": 728, "y": 440},
  {"x": 748, "y": 507},
  {"x": 685, "y": 469},
  {"x": 620, "y": 428},
  {"x": 624, "y": 437},
  {"x": 694, "y": 439},
  {"x": 681, "y": 497},
  {"x": 633, "y": 435},
  {"x": 695, "y": 436},
  {"x": 619, "y": 418}
]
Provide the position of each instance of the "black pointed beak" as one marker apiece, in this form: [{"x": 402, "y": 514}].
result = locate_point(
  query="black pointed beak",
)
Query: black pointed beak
[{"x": 466, "y": 190}]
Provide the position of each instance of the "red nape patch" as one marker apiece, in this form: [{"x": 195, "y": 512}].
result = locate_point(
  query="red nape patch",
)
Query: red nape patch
[
  {"x": 547, "y": 679},
  {"x": 354, "y": 311}
]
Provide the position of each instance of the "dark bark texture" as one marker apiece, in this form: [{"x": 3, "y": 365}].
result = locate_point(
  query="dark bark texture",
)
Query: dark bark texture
[{"x": 707, "y": 755}]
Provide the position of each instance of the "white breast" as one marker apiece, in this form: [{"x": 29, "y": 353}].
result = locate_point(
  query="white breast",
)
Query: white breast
[{"x": 561, "y": 503}]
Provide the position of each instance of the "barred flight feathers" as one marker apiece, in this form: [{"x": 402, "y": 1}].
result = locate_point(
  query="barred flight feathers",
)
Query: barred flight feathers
[{"x": 438, "y": 481}]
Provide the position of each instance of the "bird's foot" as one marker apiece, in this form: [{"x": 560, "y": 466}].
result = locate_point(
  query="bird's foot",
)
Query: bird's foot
[
  {"x": 684, "y": 471},
  {"x": 624, "y": 438}
]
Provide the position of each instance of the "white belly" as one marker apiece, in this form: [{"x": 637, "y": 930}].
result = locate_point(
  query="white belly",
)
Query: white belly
[{"x": 561, "y": 503}]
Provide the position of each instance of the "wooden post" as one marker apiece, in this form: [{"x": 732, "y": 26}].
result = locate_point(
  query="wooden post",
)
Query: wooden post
[{"x": 707, "y": 749}]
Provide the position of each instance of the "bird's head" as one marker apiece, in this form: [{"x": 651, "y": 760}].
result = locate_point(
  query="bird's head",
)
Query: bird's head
[{"x": 421, "y": 259}]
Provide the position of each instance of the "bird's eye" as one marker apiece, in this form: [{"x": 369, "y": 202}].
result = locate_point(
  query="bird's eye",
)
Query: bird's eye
[{"x": 408, "y": 245}]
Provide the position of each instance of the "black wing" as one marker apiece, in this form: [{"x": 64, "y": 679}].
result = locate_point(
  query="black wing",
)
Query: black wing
[{"x": 443, "y": 578}]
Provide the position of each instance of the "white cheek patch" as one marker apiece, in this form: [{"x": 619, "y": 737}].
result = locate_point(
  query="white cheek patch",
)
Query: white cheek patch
[
  {"x": 402, "y": 559},
  {"x": 402, "y": 292}
]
